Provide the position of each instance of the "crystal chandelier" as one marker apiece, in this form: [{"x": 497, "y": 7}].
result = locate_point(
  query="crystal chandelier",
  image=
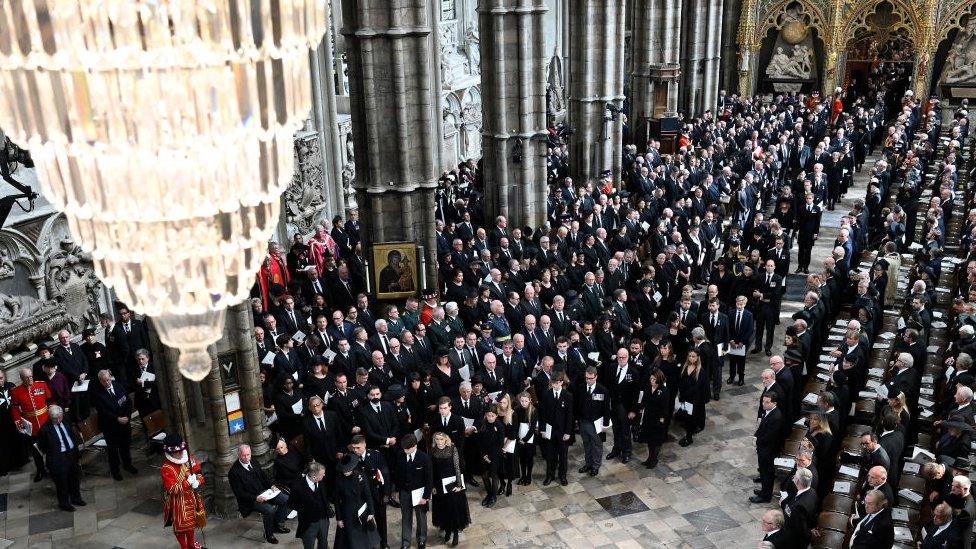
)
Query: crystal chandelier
[{"x": 163, "y": 130}]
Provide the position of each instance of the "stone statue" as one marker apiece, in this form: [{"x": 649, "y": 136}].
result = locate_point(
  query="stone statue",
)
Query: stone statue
[
  {"x": 349, "y": 167},
  {"x": 6, "y": 264},
  {"x": 305, "y": 196},
  {"x": 960, "y": 66},
  {"x": 554, "y": 85},
  {"x": 798, "y": 64},
  {"x": 473, "y": 48},
  {"x": 71, "y": 280},
  {"x": 18, "y": 307}
]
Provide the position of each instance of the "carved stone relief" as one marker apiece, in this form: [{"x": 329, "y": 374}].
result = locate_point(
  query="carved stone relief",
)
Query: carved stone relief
[
  {"x": 960, "y": 65},
  {"x": 798, "y": 63},
  {"x": 555, "y": 105},
  {"x": 471, "y": 121},
  {"x": 305, "y": 197},
  {"x": 72, "y": 282},
  {"x": 454, "y": 63}
]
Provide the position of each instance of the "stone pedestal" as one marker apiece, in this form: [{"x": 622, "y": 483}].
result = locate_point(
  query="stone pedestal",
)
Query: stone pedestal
[
  {"x": 513, "y": 77},
  {"x": 394, "y": 98},
  {"x": 655, "y": 70},
  {"x": 596, "y": 83}
]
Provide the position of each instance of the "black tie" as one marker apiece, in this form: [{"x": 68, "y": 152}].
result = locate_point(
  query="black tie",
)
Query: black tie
[
  {"x": 386, "y": 344},
  {"x": 321, "y": 424},
  {"x": 111, "y": 391},
  {"x": 738, "y": 319},
  {"x": 63, "y": 435},
  {"x": 714, "y": 320}
]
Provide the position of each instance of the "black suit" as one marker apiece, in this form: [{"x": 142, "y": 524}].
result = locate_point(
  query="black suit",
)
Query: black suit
[
  {"x": 118, "y": 436},
  {"x": 949, "y": 538},
  {"x": 62, "y": 464},
  {"x": 413, "y": 474},
  {"x": 313, "y": 513},
  {"x": 801, "y": 516},
  {"x": 558, "y": 413},
  {"x": 769, "y": 440},
  {"x": 779, "y": 539},
  {"x": 808, "y": 226},
  {"x": 321, "y": 441},
  {"x": 771, "y": 288},
  {"x": 377, "y": 426},
  {"x": 876, "y": 532},
  {"x": 623, "y": 399},
  {"x": 247, "y": 485}
]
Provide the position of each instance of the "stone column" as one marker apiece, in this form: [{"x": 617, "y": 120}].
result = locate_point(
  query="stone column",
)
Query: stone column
[
  {"x": 222, "y": 456},
  {"x": 729, "y": 52},
  {"x": 327, "y": 124},
  {"x": 596, "y": 77},
  {"x": 713, "y": 56},
  {"x": 242, "y": 328},
  {"x": 394, "y": 99},
  {"x": 694, "y": 30},
  {"x": 655, "y": 68},
  {"x": 513, "y": 82}
]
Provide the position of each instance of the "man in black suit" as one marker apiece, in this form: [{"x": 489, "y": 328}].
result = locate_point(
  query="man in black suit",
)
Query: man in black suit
[
  {"x": 873, "y": 453},
  {"x": 131, "y": 335},
  {"x": 808, "y": 229},
  {"x": 248, "y": 482},
  {"x": 893, "y": 442},
  {"x": 291, "y": 320},
  {"x": 741, "y": 330},
  {"x": 555, "y": 428},
  {"x": 373, "y": 466},
  {"x": 74, "y": 365},
  {"x": 716, "y": 326},
  {"x": 593, "y": 414},
  {"x": 61, "y": 456},
  {"x": 768, "y": 299},
  {"x": 772, "y": 528},
  {"x": 875, "y": 530},
  {"x": 114, "y": 411},
  {"x": 779, "y": 254},
  {"x": 622, "y": 384},
  {"x": 942, "y": 532},
  {"x": 801, "y": 509},
  {"x": 414, "y": 474},
  {"x": 321, "y": 433},
  {"x": 309, "y": 499},
  {"x": 471, "y": 408},
  {"x": 769, "y": 440},
  {"x": 378, "y": 421}
]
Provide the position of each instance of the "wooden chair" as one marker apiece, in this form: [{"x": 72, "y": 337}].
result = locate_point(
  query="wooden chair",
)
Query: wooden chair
[
  {"x": 829, "y": 539},
  {"x": 837, "y": 503},
  {"x": 833, "y": 521},
  {"x": 91, "y": 438}
]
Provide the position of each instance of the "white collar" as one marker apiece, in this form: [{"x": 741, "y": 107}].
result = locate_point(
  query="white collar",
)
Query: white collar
[
  {"x": 245, "y": 465},
  {"x": 184, "y": 457},
  {"x": 310, "y": 482}
]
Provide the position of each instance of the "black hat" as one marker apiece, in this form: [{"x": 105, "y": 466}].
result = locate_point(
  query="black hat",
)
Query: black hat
[
  {"x": 87, "y": 332},
  {"x": 413, "y": 376},
  {"x": 657, "y": 330},
  {"x": 173, "y": 444},
  {"x": 41, "y": 347},
  {"x": 428, "y": 293},
  {"x": 395, "y": 391},
  {"x": 486, "y": 327},
  {"x": 49, "y": 362},
  {"x": 477, "y": 379},
  {"x": 348, "y": 463}
]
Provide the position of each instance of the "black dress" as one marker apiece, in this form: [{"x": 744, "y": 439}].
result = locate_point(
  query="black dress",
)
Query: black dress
[
  {"x": 694, "y": 390},
  {"x": 654, "y": 421},
  {"x": 449, "y": 509},
  {"x": 14, "y": 453},
  {"x": 509, "y": 468},
  {"x": 287, "y": 468},
  {"x": 319, "y": 385},
  {"x": 490, "y": 440}
]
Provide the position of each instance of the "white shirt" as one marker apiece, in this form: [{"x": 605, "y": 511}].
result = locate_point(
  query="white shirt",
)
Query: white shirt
[
  {"x": 247, "y": 466},
  {"x": 311, "y": 484}
]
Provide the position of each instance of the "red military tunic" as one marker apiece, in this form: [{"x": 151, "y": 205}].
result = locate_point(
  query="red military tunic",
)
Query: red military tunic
[
  {"x": 273, "y": 271},
  {"x": 31, "y": 405},
  {"x": 181, "y": 502}
]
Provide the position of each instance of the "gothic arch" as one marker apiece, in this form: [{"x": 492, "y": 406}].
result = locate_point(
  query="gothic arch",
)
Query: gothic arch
[
  {"x": 20, "y": 249},
  {"x": 859, "y": 21},
  {"x": 953, "y": 19},
  {"x": 775, "y": 16}
]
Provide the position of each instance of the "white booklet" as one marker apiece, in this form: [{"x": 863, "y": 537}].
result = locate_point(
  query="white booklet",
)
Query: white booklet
[
  {"x": 784, "y": 462},
  {"x": 546, "y": 431},
  {"x": 80, "y": 387},
  {"x": 842, "y": 487},
  {"x": 416, "y": 496},
  {"x": 297, "y": 407},
  {"x": 270, "y": 493},
  {"x": 465, "y": 373},
  {"x": 468, "y": 422},
  {"x": 598, "y": 425},
  {"x": 913, "y": 497},
  {"x": 510, "y": 447},
  {"x": 849, "y": 471},
  {"x": 147, "y": 376},
  {"x": 268, "y": 359}
]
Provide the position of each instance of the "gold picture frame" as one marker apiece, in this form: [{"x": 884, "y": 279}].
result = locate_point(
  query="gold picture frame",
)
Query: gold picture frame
[{"x": 395, "y": 270}]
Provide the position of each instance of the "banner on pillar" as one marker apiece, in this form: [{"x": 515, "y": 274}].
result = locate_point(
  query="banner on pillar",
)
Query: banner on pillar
[{"x": 235, "y": 422}]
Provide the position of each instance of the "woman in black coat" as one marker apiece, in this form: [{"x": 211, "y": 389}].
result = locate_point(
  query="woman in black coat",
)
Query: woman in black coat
[
  {"x": 490, "y": 441},
  {"x": 527, "y": 420},
  {"x": 288, "y": 465},
  {"x": 289, "y": 422},
  {"x": 351, "y": 493},
  {"x": 693, "y": 389},
  {"x": 654, "y": 420}
]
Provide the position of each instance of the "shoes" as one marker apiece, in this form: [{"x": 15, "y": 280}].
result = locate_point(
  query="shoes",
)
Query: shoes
[
  {"x": 594, "y": 472},
  {"x": 491, "y": 502},
  {"x": 523, "y": 481},
  {"x": 38, "y": 477},
  {"x": 69, "y": 508},
  {"x": 474, "y": 482},
  {"x": 484, "y": 502},
  {"x": 613, "y": 454},
  {"x": 271, "y": 539},
  {"x": 740, "y": 383},
  {"x": 757, "y": 480},
  {"x": 686, "y": 441},
  {"x": 769, "y": 352},
  {"x": 584, "y": 469},
  {"x": 625, "y": 459},
  {"x": 563, "y": 481},
  {"x": 131, "y": 470},
  {"x": 508, "y": 488},
  {"x": 757, "y": 491},
  {"x": 280, "y": 529},
  {"x": 79, "y": 502},
  {"x": 117, "y": 476},
  {"x": 755, "y": 351},
  {"x": 730, "y": 381},
  {"x": 454, "y": 539},
  {"x": 547, "y": 481},
  {"x": 649, "y": 464},
  {"x": 716, "y": 396},
  {"x": 759, "y": 499}
]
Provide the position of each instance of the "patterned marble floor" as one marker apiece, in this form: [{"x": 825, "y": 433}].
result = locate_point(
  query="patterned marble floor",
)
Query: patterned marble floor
[{"x": 695, "y": 499}]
